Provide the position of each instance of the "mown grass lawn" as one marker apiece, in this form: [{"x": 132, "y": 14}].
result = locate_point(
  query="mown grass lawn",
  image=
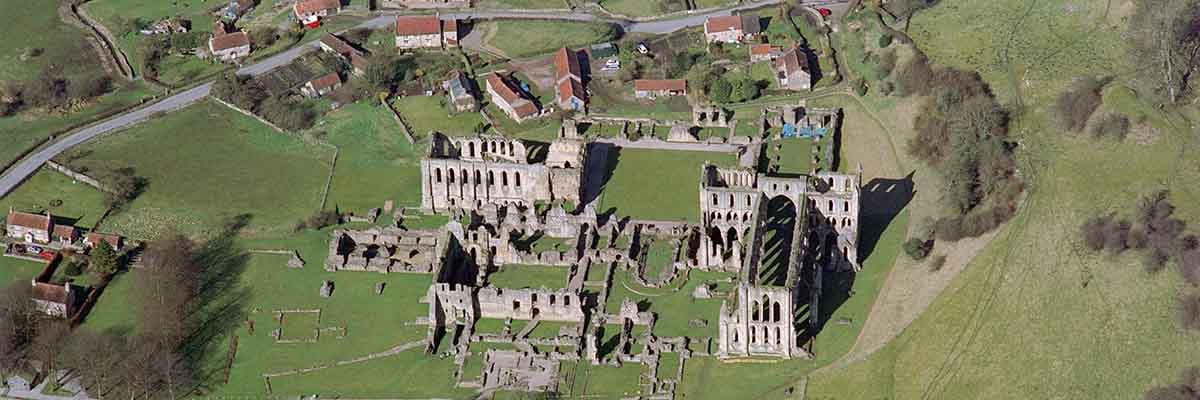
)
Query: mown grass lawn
[
  {"x": 657, "y": 184},
  {"x": 517, "y": 276},
  {"x": 429, "y": 113},
  {"x": 513, "y": 37},
  {"x": 79, "y": 202},
  {"x": 206, "y": 164},
  {"x": 15, "y": 269}
]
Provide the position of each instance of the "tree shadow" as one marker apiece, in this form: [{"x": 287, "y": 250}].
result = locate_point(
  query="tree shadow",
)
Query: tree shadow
[{"x": 221, "y": 303}]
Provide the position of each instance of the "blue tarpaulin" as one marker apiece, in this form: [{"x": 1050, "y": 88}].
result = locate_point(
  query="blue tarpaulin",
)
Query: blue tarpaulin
[{"x": 790, "y": 131}]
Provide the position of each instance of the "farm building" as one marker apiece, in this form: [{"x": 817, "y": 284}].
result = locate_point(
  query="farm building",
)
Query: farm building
[
  {"x": 791, "y": 69},
  {"x": 653, "y": 88},
  {"x": 731, "y": 29},
  {"x": 509, "y": 99},
  {"x": 310, "y": 12},
  {"x": 460, "y": 91},
  {"x": 571, "y": 93},
  {"x": 230, "y": 46},
  {"x": 417, "y": 32}
]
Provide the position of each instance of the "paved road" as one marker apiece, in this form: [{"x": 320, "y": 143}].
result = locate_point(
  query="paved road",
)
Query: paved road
[{"x": 26, "y": 167}]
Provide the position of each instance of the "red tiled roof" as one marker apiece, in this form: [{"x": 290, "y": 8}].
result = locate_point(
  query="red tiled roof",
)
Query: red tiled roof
[
  {"x": 656, "y": 85},
  {"x": 326, "y": 82},
  {"x": 312, "y": 6},
  {"x": 566, "y": 63},
  {"x": 27, "y": 220},
  {"x": 229, "y": 41},
  {"x": 95, "y": 238},
  {"x": 336, "y": 43},
  {"x": 763, "y": 49},
  {"x": 418, "y": 25},
  {"x": 65, "y": 231},
  {"x": 450, "y": 25},
  {"x": 526, "y": 109},
  {"x": 571, "y": 88},
  {"x": 502, "y": 88},
  {"x": 725, "y": 23},
  {"x": 49, "y": 292},
  {"x": 792, "y": 61}
]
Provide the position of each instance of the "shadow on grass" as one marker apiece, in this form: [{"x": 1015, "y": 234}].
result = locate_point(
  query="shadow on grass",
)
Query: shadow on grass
[{"x": 221, "y": 304}]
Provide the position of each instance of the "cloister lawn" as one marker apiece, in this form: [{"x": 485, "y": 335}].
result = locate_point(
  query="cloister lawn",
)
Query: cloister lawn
[{"x": 657, "y": 184}]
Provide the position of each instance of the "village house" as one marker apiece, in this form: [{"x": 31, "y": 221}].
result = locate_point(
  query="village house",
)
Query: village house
[
  {"x": 93, "y": 239},
  {"x": 764, "y": 52},
  {"x": 571, "y": 94},
  {"x": 28, "y": 227},
  {"x": 419, "y": 4},
  {"x": 460, "y": 91},
  {"x": 653, "y": 88},
  {"x": 355, "y": 57},
  {"x": 321, "y": 86},
  {"x": 791, "y": 69},
  {"x": 509, "y": 99},
  {"x": 731, "y": 29},
  {"x": 418, "y": 32},
  {"x": 310, "y": 12},
  {"x": 53, "y": 299},
  {"x": 64, "y": 235},
  {"x": 230, "y": 46},
  {"x": 167, "y": 26}
]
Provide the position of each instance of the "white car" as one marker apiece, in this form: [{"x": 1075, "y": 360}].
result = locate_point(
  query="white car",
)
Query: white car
[{"x": 641, "y": 48}]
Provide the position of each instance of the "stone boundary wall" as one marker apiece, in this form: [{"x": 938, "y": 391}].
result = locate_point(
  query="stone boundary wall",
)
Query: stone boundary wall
[
  {"x": 400, "y": 121},
  {"x": 93, "y": 182},
  {"x": 248, "y": 114},
  {"x": 106, "y": 39}
]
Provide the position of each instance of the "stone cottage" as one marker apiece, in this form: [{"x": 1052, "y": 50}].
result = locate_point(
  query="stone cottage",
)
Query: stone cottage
[
  {"x": 28, "y": 227},
  {"x": 55, "y": 300},
  {"x": 732, "y": 29},
  {"x": 230, "y": 46},
  {"x": 310, "y": 12},
  {"x": 418, "y": 31},
  {"x": 792, "y": 71},
  {"x": 322, "y": 85},
  {"x": 653, "y": 88},
  {"x": 509, "y": 99}
]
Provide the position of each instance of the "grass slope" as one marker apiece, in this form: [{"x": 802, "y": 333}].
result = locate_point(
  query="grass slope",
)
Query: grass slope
[
  {"x": 1035, "y": 315},
  {"x": 207, "y": 163},
  {"x": 375, "y": 163}
]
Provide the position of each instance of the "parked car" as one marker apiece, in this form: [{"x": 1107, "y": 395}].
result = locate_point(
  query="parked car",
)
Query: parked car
[
  {"x": 641, "y": 48},
  {"x": 611, "y": 65},
  {"x": 825, "y": 12}
]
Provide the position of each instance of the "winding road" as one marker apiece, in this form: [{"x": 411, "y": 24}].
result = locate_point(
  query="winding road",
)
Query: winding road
[{"x": 13, "y": 177}]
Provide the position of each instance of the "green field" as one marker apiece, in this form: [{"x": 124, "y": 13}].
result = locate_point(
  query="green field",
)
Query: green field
[
  {"x": 21, "y": 132},
  {"x": 80, "y": 203},
  {"x": 375, "y": 162},
  {"x": 35, "y": 25},
  {"x": 512, "y": 37},
  {"x": 675, "y": 177},
  {"x": 206, "y": 164},
  {"x": 15, "y": 269}
]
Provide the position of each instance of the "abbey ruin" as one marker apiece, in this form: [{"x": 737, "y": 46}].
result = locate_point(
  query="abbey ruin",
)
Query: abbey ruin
[{"x": 771, "y": 234}]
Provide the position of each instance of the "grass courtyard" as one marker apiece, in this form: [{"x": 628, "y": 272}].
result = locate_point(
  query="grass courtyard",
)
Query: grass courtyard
[
  {"x": 673, "y": 176},
  {"x": 206, "y": 164},
  {"x": 375, "y": 162},
  {"x": 517, "y": 276}
]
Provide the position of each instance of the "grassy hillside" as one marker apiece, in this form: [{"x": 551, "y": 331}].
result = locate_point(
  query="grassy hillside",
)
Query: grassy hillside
[{"x": 1035, "y": 315}]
